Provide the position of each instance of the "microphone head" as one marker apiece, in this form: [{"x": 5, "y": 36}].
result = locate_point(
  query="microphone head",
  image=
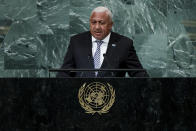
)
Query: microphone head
[{"x": 89, "y": 56}]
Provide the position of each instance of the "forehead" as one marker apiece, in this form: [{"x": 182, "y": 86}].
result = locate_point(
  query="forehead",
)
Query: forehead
[{"x": 99, "y": 16}]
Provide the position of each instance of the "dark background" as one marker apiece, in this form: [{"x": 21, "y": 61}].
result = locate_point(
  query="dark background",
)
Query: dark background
[{"x": 140, "y": 105}]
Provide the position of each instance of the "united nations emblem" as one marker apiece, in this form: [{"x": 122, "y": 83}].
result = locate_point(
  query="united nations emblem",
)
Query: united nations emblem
[{"x": 96, "y": 97}]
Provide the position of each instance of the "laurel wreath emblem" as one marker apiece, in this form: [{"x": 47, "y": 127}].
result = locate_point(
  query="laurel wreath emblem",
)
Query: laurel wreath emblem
[{"x": 106, "y": 105}]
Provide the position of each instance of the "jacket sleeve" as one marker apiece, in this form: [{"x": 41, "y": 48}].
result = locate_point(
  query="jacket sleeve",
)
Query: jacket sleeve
[
  {"x": 134, "y": 63},
  {"x": 69, "y": 62}
]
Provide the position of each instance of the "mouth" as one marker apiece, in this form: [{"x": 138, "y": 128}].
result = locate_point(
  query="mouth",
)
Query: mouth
[{"x": 97, "y": 33}]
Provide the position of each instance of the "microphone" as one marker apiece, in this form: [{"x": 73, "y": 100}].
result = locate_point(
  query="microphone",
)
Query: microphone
[
  {"x": 104, "y": 55},
  {"x": 108, "y": 63},
  {"x": 89, "y": 56}
]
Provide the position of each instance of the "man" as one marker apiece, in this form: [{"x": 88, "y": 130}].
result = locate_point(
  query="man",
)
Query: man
[{"x": 100, "y": 48}]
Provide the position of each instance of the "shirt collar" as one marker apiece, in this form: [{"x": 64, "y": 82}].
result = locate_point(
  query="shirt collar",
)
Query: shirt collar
[{"x": 105, "y": 40}]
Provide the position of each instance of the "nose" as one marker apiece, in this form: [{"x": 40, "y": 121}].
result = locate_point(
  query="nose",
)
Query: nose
[{"x": 97, "y": 26}]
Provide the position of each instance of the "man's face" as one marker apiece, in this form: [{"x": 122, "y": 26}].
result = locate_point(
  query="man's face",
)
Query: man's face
[{"x": 100, "y": 25}]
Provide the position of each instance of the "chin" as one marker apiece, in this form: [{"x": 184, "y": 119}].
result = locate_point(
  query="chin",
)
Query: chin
[{"x": 98, "y": 37}]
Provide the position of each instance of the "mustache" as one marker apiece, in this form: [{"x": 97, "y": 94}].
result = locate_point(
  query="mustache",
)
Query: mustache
[{"x": 97, "y": 31}]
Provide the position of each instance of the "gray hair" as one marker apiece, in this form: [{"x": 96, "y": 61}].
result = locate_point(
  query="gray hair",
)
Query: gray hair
[{"x": 103, "y": 9}]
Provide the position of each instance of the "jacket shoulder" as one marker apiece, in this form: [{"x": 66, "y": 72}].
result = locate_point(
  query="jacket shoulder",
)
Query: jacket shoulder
[
  {"x": 82, "y": 35},
  {"x": 121, "y": 37}
]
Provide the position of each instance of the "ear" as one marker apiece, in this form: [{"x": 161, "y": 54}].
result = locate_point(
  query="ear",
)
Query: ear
[{"x": 111, "y": 24}]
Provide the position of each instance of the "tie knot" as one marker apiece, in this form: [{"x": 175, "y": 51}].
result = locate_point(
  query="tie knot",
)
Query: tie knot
[{"x": 99, "y": 42}]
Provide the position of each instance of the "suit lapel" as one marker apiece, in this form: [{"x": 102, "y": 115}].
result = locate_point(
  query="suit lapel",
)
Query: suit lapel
[
  {"x": 110, "y": 51},
  {"x": 89, "y": 51}
]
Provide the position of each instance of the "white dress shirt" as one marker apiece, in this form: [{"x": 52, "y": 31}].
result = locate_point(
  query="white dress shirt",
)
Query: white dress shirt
[{"x": 103, "y": 47}]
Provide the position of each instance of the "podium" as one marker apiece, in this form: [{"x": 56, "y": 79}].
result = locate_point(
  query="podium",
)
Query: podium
[
  {"x": 141, "y": 104},
  {"x": 89, "y": 73}
]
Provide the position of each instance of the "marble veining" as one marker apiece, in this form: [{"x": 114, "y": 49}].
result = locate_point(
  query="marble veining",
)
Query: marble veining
[{"x": 34, "y": 35}]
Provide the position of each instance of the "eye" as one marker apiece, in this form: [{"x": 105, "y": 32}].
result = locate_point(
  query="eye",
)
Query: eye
[
  {"x": 102, "y": 22},
  {"x": 93, "y": 22}
]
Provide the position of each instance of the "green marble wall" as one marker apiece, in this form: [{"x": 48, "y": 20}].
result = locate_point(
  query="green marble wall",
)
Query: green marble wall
[{"x": 34, "y": 34}]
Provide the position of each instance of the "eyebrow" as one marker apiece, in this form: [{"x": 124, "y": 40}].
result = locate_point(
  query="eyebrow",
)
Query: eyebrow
[{"x": 95, "y": 20}]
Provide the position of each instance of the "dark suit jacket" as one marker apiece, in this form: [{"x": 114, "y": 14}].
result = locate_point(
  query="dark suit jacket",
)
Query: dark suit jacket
[{"x": 120, "y": 54}]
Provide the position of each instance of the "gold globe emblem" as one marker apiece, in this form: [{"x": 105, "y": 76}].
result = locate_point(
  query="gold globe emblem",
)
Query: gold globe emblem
[{"x": 96, "y": 97}]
